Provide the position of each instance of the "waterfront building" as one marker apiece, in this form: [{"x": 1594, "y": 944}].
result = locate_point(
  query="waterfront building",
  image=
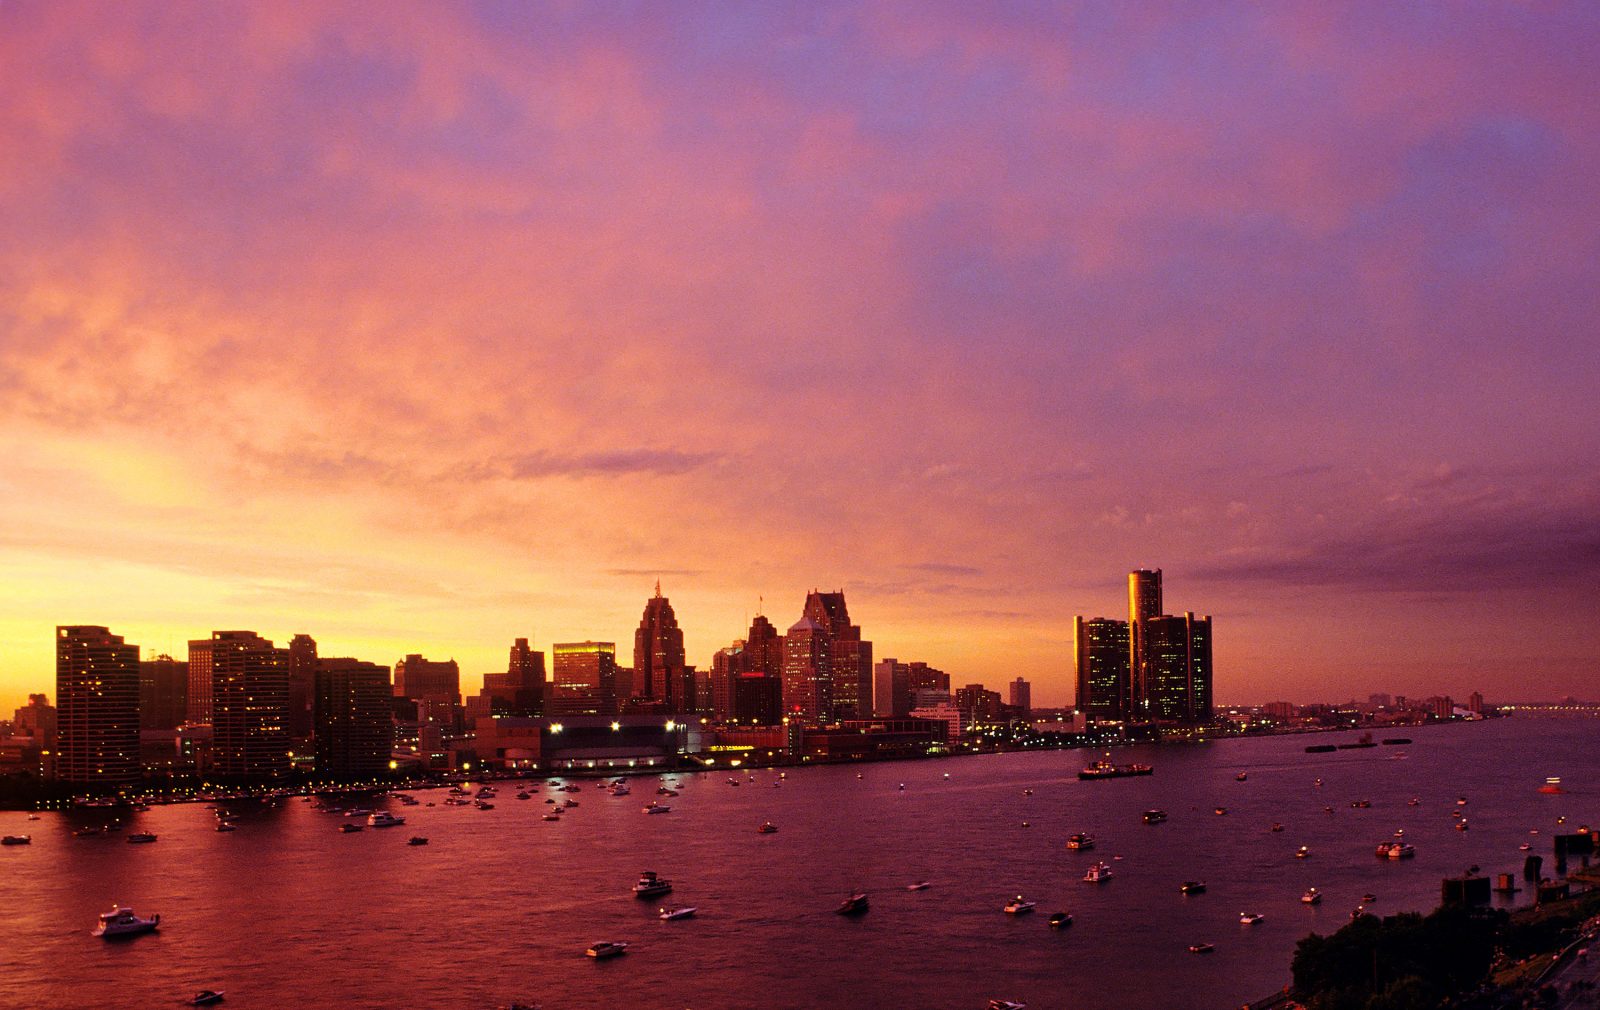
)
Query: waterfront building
[
  {"x": 727, "y": 664},
  {"x": 763, "y": 648},
  {"x": 418, "y": 678},
  {"x": 849, "y": 655},
  {"x": 354, "y": 724},
  {"x": 1144, "y": 602},
  {"x": 97, "y": 699},
  {"x": 922, "y": 677},
  {"x": 520, "y": 691},
  {"x": 978, "y": 704},
  {"x": 36, "y": 720},
  {"x": 163, "y": 693},
  {"x": 808, "y": 672},
  {"x": 757, "y": 699},
  {"x": 660, "y": 673},
  {"x": 1022, "y": 698},
  {"x": 1103, "y": 654},
  {"x": 1200, "y": 680},
  {"x": 1165, "y": 654},
  {"x": 302, "y": 687},
  {"x": 891, "y": 689},
  {"x": 199, "y": 701},
  {"x": 249, "y": 706},
  {"x": 945, "y": 713},
  {"x": 584, "y": 679}
]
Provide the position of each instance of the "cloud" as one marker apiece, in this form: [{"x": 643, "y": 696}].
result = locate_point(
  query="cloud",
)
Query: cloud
[{"x": 612, "y": 463}]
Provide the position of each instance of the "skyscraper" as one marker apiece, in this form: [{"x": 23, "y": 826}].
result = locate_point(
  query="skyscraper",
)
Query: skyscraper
[
  {"x": 1200, "y": 697},
  {"x": 302, "y": 685},
  {"x": 97, "y": 707},
  {"x": 1103, "y": 667},
  {"x": 163, "y": 693},
  {"x": 1166, "y": 661},
  {"x": 851, "y": 657},
  {"x": 354, "y": 725},
  {"x": 249, "y": 705},
  {"x": 199, "y": 701},
  {"x": 660, "y": 673},
  {"x": 763, "y": 648},
  {"x": 1022, "y": 697},
  {"x": 891, "y": 689},
  {"x": 808, "y": 672},
  {"x": 727, "y": 664},
  {"x": 521, "y": 690},
  {"x": 1144, "y": 602},
  {"x": 420, "y": 678},
  {"x": 584, "y": 680}
]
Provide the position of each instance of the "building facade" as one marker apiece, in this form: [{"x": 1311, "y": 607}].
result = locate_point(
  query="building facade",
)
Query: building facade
[
  {"x": 1144, "y": 602},
  {"x": 163, "y": 693},
  {"x": 660, "y": 671},
  {"x": 249, "y": 706},
  {"x": 584, "y": 679},
  {"x": 1103, "y": 668},
  {"x": 97, "y": 707},
  {"x": 354, "y": 725}
]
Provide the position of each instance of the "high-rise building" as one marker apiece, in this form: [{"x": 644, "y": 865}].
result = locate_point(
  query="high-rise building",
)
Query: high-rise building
[
  {"x": 1200, "y": 680},
  {"x": 851, "y": 657},
  {"x": 1144, "y": 602},
  {"x": 37, "y": 720},
  {"x": 302, "y": 686},
  {"x": 728, "y": 663},
  {"x": 584, "y": 679},
  {"x": 923, "y": 677},
  {"x": 354, "y": 725},
  {"x": 163, "y": 693},
  {"x": 891, "y": 689},
  {"x": 97, "y": 706},
  {"x": 417, "y": 677},
  {"x": 978, "y": 704},
  {"x": 1103, "y": 668},
  {"x": 1022, "y": 697},
  {"x": 249, "y": 706},
  {"x": 763, "y": 648},
  {"x": 808, "y": 672},
  {"x": 199, "y": 703},
  {"x": 1165, "y": 654},
  {"x": 660, "y": 672},
  {"x": 757, "y": 699},
  {"x": 520, "y": 691}
]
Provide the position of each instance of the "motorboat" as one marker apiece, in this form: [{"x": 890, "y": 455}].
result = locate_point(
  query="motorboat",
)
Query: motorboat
[
  {"x": 85, "y": 832},
  {"x": 767, "y": 828},
  {"x": 921, "y": 885},
  {"x": 123, "y": 922},
  {"x": 1099, "y": 873},
  {"x": 1461, "y": 801},
  {"x": 1367, "y": 899},
  {"x": 1242, "y": 776},
  {"x": 1107, "y": 770},
  {"x": 650, "y": 885},
  {"x": 1361, "y": 804},
  {"x": 1006, "y": 1004},
  {"x": 1202, "y": 948},
  {"x": 1220, "y": 811},
  {"x": 1154, "y": 816},
  {"x": 206, "y": 997},
  {"x": 554, "y": 815},
  {"x": 620, "y": 790},
  {"x": 483, "y": 804},
  {"x": 1018, "y": 906},
  {"x": 1250, "y": 918},
  {"x": 1357, "y": 912},
  {"x": 1027, "y": 792},
  {"x": 1414, "y": 801},
  {"x": 17, "y": 840},
  {"x": 853, "y": 905},
  {"x": 524, "y": 796},
  {"x": 1311, "y": 897},
  {"x": 348, "y": 828},
  {"x": 1060, "y": 920},
  {"x": 670, "y": 914},
  {"x": 1395, "y": 850},
  {"x": 658, "y": 808},
  {"x": 384, "y": 819},
  {"x": 1461, "y": 825},
  {"x": 1552, "y": 785},
  {"x": 1192, "y": 887},
  {"x": 1303, "y": 852},
  {"x": 226, "y": 826},
  {"x": 417, "y": 840},
  {"x": 1276, "y": 826},
  {"x": 141, "y": 838},
  {"x": 607, "y": 948},
  {"x": 1080, "y": 841},
  {"x": 1524, "y": 847}
]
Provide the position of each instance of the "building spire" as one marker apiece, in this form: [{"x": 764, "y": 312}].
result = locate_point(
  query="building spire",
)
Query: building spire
[{"x": 658, "y": 589}]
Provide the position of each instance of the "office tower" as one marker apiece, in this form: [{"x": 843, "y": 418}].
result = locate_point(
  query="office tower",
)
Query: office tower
[
  {"x": 302, "y": 685},
  {"x": 417, "y": 678},
  {"x": 37, "y": 720},
  {"x": 851, "y": 658},
  {"x": 923, "y": 677},
  {"x": 1200, "y": 681},
  {"x": 727, "y": 664},
  {"x": 891, "y": 689},
  {"x": 1022, "y": 697},
  {"x": 520, "y": 691},
  {"x": 978, "y": 704},
  {"x": 763, "y": 648},
  {"x": 1166, "y": 659},
  {"x": 757, "y": 699},
  {"x": 808, "y": 672},
  {"x": 584, "y": 679},
  {"x": 249, "y": 706},
  {"x": 353, "y": 723},
  {"x": 660, "y": 675},
  {"x": 163, "y": 693},
  {"x": 97, "y": 707},
  {"x": 1144, "y": 602},
  {"x": 1103, "y": 668},
  {"x": 199, "y": 702}
]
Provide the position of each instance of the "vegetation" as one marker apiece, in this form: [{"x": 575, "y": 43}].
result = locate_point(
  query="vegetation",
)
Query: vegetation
[{"x": 1403, "y": 962}]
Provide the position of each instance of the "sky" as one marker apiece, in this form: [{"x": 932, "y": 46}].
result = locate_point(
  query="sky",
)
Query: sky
[{"x": 421, "y": 328}]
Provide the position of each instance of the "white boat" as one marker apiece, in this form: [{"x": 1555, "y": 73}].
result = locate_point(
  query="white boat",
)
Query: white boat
[
  {"x": 384, "y": 819},
  {"x": 1250, "y": 918},
  {"x": 607, "y": 948},
  {"x": 921, "y": 885},
  {"x": 658, "y": 808},
  {"x": 1019, "y": 906},
  {"x": 650, "y": 885},
  {"x": 1303, "y": 852},
  {"x": 122, "y": 922},
  {"x": 1099, "y": 873},
  {"x": 671, "y": 914},
  {"x": 1006, "y": 1004}
]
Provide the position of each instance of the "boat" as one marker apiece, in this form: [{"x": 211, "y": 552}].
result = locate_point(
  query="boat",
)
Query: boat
[
  {"x": 620, "y": 790},
  {"x": 921, "y": 885},
  {"x": 524, "y": 796},
  {"x": 1461, "y": 825},
  {"x": 671, "y": 914},
  {"x": 1276, "y": 826},
  {"x": 225, "y": 826},
  {"x": 1524, "y": 847},
  {"x": 1018, "y": 906},
  {"x": 1106, "y": 770},
  {"x": 1060, "y": 920},
  {"x": 1303, "y": 852},
  {"x": 552, "y": 816},
  {"x": 1250, "y": 918},
  {"x": 85, "y": 832},
  {"x": 1192, "y": 887},
  {"x": 1006, "y": 1004},
  {"x": 1311, "y": 897},
  {"x": 417, "y": 840},
  {"x": 1241, "y": 777},
  {"x": 1154, "y": 816},
  {"x": 658, "y": 808},
  {"x": 1461, "y": 801},
  {"x": 650, "y": 885},
  {"x": 123, "y": 922},
  {"x": 1202, "y": 948},
  {"x": 1321, "y": 748},
  {"x": 1552, "y": 785},
  {"x": 1364, "y": 741},
  {"x": 206, "y": 997},
  {"x": 141, "y": 838},
  {"x": 384, "y": 819},
  {"x": 607, "y": 948},
  {"x": 1367, "y": 899},
  {"x": 1080, "y": 842},
  {"x": 33, "y": 817},
  {"x": 1396, "y": 741},
  {"x": 853, "y": 905},
  {"x": 1415, "y": 801},
  {"x": 1361, "y": 804},
  {"x": 1358, "y": 912},
  {"x": 1099, "y": 873},
  {"x": 1220, "y": 811},
  {"x": 483, "y": 804},
  {"x": 17, "y": 840},
  {"x": 767, "y": 828},
  {"x": 348, "y": 828},
  {"x": 1395, "y": 850}
]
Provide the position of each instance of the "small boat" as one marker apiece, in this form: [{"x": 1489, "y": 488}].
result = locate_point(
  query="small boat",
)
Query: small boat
[
  {"x": 1276, "y": 826},
  {"x": 1303, "y": 852},
  {"x": 17, "y": 840},
  {"x": 658, "y": 808},
  {"x": 348, "y": 828},
  {"x": 141, "y": 838},
  {"x": 1358, "y": 912},
  {"x": 1395, "y": 850},
  {"x": 206, "y": 997},
  {"x": 524, "y": 796},
  {"x": 1461, "y": 801},
  {"x": 1202, "y": 948},
  {"x": 1154, "y": 816},
  {"x": 33, "y": 817},
  {"x": 650, "y": 885},
  {"x": 1018, "y": 906},
  {"x": 1524, "y": 847},
  {"x": 1250, "y": 918},
  {"x": 85, "y": 832},
  {"x": 483, "y": 804},
  {"x": 1099, "y": 873},
  {"x": 225, "y": 826},
  {"x": 1006, "y": 1004},
  {"x": 122, "y": 922},
  {"x": 417, "y": 840},
  {"x": 607, "y": 948},
  {"x": 1192, "y": 887},
  {"x": 1027, "y": 792},
  {"x": 384, "y": 819},
  {"x": 921, "y": 885},
  {"x": 1080, "y": 842},
  {"x": 1311, "y": 897},
  {"x": 1242, "y": 776},
  {"x": 1461, "y": 825},
  {"x": 1361, "y": 804},
  {"x": 1367, "y": 899},
  {"x": 1060, "y": 920},
  {"x": 853, "y": 905},
  {"x": 671, "y": 914},
  {"x": 767, "y": 828},
  {"x": 1220, "y": 811},
  {"x": 1415, "y": 801},
  {"x": 1552, "y": 785},
  {"x": 552, "y": 816}
]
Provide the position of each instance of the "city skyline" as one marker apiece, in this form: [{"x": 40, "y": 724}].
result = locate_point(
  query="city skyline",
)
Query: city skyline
[{"x": 426, "y": 334}]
